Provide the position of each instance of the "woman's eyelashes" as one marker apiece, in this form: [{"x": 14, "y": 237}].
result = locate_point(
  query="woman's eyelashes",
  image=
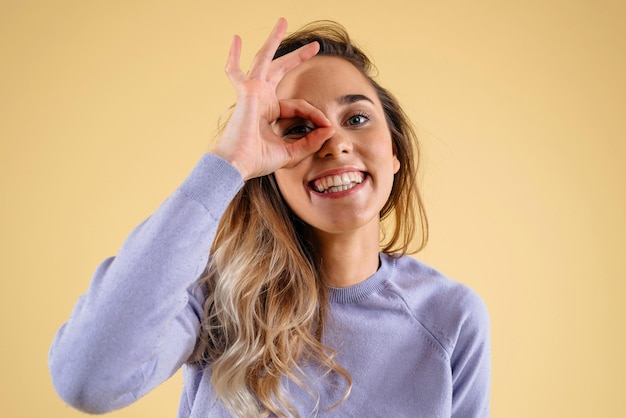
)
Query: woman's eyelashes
[
  {"x": 299, "y": 130},
  {"x": 357, "y": 119},
  {"x": 302, "y": 127}
]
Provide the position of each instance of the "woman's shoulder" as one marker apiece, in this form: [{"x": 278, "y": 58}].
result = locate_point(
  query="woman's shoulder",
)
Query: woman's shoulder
[
  {"x": 420, "y": 279},
  {"x": 445, "y": 307}
]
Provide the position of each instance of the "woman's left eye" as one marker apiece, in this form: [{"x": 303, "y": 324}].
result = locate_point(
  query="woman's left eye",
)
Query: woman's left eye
[{"x": 358, "y": 119}]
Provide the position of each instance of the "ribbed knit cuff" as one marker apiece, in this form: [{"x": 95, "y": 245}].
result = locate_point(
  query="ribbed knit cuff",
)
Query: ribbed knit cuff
[{"x": 213, "y": 183}]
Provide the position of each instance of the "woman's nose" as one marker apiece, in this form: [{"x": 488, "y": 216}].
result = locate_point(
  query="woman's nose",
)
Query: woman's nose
[{"x": 335, "y": 145}]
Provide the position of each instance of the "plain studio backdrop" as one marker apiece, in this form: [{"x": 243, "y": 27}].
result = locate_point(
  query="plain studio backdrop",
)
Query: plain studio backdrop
[{"x": 105, "y": 106}]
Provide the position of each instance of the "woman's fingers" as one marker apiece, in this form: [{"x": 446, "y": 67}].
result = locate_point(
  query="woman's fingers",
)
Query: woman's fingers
[
  {"x": 300, "y": 108},
  {"x": 280, "y": 66},
  {"x": 307, "y": 145},
  {"x": 263, "y": 66},
  {"x": 233, "y": 66},
  {"x": 263, "y": 58},
  {"x": 311, "y": 142}
]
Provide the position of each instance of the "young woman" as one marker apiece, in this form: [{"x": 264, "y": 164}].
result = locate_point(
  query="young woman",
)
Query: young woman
[{"x": 263, "y": 274}]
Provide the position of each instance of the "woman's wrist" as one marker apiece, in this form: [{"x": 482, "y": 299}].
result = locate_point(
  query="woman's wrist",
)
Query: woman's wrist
[{"x": 232, "y": 161}]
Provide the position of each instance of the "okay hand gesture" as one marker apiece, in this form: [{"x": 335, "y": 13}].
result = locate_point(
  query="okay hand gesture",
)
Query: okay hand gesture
[{"x": 248, "y": 141}]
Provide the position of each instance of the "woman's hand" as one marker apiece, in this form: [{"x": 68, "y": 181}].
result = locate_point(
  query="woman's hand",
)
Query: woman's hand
[{"x": 248, "y": 141}]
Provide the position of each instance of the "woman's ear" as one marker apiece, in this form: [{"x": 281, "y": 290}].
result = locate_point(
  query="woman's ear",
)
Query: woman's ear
[{"x": 396, "y": 161}]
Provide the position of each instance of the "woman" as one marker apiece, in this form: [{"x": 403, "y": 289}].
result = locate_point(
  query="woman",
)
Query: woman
[{"x": 297, "y": 311}]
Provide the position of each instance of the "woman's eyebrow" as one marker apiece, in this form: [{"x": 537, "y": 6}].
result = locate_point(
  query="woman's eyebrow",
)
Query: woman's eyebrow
[{"x": 352, "y": 98}]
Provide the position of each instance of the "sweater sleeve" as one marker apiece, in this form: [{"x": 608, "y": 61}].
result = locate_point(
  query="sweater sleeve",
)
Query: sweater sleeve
[
  {"x": 138, "y": 321},
  {"x": 471, "y": 361}
]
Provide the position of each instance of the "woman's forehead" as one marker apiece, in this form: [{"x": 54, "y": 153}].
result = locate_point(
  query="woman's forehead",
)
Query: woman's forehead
[{"x": 324, "y": 76}]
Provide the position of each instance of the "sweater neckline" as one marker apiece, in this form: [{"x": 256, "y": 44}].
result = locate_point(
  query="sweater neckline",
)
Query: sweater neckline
[{"x": 367, "y": 287}]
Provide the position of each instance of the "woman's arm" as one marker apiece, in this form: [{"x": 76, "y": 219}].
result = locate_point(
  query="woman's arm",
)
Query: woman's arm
[
  {"x": 471, "y": 361},
  {"x": 138, "y": 321}
]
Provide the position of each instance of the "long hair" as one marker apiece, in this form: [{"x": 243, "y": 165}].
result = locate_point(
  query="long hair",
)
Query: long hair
[{"x": 266, "y": 304}]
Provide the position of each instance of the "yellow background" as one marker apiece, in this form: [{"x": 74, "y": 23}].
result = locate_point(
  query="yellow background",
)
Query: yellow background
[{"x": 105, "y": 106}]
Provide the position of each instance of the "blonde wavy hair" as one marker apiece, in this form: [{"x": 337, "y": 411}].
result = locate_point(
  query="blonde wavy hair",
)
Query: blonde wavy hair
[{"x": 267, "y": 304}]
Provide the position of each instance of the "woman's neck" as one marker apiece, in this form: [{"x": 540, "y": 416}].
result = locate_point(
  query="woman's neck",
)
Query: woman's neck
[{"x": 349, "y": 258}]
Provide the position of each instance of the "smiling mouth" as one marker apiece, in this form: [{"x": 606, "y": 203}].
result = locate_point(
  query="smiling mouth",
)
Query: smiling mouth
[{"x": 338, "y": 182}]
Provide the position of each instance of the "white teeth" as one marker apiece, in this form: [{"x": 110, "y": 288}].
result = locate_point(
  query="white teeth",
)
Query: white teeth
[{"x": 339, "y": 182}]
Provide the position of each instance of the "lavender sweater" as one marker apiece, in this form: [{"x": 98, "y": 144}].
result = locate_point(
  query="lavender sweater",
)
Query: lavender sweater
[{"x": 415, "y": 343}]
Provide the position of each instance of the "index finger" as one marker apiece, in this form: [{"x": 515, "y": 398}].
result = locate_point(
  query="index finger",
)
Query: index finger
[{"x": 300, "y": 108}]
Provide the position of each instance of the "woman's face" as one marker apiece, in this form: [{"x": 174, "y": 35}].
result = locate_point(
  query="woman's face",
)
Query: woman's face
[{"x": 344, "y": 185}]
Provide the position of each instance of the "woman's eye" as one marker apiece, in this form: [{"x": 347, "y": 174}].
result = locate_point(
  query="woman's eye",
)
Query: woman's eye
[
  {"x": 298, "y": 131},
  {"x": 357, "y": 120}
]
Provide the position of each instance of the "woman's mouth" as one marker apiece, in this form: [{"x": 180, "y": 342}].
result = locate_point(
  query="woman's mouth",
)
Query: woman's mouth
[{"x": 337, "y": 182}]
